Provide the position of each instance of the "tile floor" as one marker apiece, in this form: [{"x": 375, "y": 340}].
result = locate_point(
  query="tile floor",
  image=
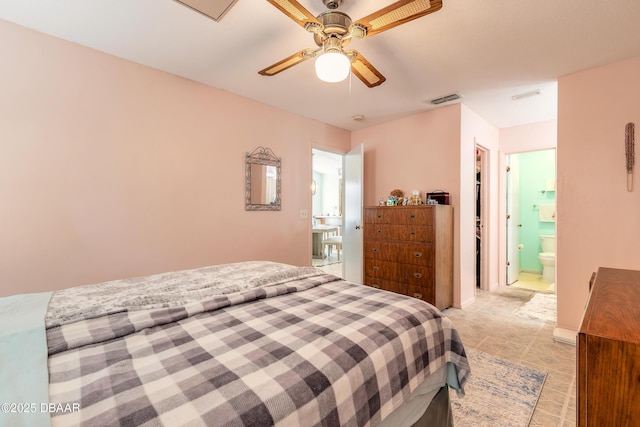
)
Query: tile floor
[
  {"x": 335, "y": 268},
  {"x": 491, "y": 324},
  {"x": 328, "y": 263},
  {"x": 533, "y": 282}
]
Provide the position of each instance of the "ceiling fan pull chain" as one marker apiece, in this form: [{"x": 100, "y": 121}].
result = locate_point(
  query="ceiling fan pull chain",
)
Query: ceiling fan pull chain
[{"x": 629, "y": 151}]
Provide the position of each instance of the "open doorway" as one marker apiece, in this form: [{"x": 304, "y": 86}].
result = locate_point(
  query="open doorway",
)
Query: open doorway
[
  {"x": 327, "y": 211},
  {"x": 531, "y": 220}
]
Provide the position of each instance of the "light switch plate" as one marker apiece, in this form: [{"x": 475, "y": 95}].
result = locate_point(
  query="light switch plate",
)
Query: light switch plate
[{"x": 304, "y": 214}]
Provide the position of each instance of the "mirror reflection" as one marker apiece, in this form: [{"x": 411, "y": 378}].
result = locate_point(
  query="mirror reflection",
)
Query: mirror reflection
[{"x": 262, "y": 180}]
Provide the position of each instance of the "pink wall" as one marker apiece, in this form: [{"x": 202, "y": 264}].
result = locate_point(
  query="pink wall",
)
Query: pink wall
[
  {"x": 414, "y": 152},
  {"x": 110, "y": 169},
  {"x": 598, "y": 220},
  {"x": 477, "y": 131},
  {"x": 530, "y": 137},
  {"x": 424, "y": 152}
]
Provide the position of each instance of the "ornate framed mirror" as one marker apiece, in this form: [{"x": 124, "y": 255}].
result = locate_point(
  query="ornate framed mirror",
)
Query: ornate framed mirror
[{"x": 262, "y": 176}]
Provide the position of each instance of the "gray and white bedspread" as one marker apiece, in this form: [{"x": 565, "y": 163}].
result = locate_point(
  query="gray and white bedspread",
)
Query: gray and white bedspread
[{"x": 271, "y": 344}]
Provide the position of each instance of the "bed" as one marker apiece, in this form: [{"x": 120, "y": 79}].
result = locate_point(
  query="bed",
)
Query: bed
[{"x": 254, "y": 343}]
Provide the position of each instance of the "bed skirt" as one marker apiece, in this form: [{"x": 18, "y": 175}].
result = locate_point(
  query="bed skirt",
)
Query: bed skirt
[{"x": 438, "y": 413}]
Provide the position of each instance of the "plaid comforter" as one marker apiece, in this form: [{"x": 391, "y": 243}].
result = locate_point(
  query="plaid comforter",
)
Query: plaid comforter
[{"x": 301, "y": 348}]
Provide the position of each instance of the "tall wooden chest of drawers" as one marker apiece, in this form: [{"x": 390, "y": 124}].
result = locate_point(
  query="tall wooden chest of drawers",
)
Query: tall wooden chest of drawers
[
  {"x": 409, "y": 250},
  {"x": 608, "y": 353}
]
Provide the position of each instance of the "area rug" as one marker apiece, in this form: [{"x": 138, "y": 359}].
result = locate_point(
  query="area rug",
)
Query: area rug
[
  {"x": 498, "y": 393},
  {"x": 541, "y": 306}
]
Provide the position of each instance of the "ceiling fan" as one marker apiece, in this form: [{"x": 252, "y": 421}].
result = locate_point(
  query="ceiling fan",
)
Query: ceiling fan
[{"x": 333, "y": 30}]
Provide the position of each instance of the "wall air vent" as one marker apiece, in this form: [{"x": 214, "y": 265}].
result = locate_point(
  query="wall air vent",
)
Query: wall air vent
[
  {"x": 447, "y": 98},
  {"x": 214, "y": 9}
]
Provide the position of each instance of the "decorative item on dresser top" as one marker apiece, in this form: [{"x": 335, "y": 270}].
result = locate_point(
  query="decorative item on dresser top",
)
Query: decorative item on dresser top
[
  {"x": 409, "y": 250},
  {"x": 608, "y": 378}
]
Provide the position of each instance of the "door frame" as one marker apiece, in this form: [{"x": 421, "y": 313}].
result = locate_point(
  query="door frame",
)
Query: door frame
[{"x": 485, "y": 223}]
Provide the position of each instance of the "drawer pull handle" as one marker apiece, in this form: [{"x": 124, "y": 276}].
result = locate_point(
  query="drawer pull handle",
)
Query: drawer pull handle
[
  {"x": 417, "y": 295},
  {"x": 379, "y": 215},
  {"x": 417, "y": 254},
  {"x": 413, "y": 234},
  {"x": 379, "y": 231},
  {"x": 376, "y": 268},
  {"x": 417, "y": 275},
  {"x": 412, "y": 216},
  {"x": 374, "y": 249}
]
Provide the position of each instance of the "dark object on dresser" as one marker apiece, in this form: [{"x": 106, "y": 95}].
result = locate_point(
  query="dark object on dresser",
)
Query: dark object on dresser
[
  {"x": 409, "y": 250},
  {"x": 439, "y": 196},
  {"x": 609, "y": 351}
]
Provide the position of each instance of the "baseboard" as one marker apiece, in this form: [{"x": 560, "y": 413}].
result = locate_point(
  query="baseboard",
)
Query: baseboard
[
  {"x": 467, "y": 303},
  {"x": 565, "y": 336}
]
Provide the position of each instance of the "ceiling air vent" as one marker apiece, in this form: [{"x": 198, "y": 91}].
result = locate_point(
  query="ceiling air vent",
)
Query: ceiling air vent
[
  {"x": 447, "y": 98},
  {"x": 526, "y": 94},
  {"x": 214, "y": 9}
]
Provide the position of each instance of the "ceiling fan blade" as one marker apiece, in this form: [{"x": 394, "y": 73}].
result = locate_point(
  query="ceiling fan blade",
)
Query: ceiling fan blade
[
  {"x": 364, "y": 70},
  {"x": 398, "y": 13},
  {"x": 295, "y": 11},
  {"x": 288, "y": 62}
]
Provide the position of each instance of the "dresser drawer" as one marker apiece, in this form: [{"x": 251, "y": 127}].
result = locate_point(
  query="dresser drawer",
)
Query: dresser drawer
[
  {"x": 378, "y": 250},
  {"x": 419, "y": 292},
  {"x": 413, "y": 253},
  {"x": 422, "y": 215},
  {"x": 387, "y": 285},
  {"x": 416, "y": 275},
  {"x": 402, "y": 253},
  {"x": 380, "y": 216},
  {"x": 381, "y": 269},
  {"x": 398, "y": 215},
  {"x": 408, "y": 233}
]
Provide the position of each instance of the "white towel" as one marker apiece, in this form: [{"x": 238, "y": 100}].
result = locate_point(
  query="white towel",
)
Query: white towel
[{"x": 547, "y": 213}]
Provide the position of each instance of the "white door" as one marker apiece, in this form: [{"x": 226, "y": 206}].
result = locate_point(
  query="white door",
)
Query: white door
[
  {"x": 352, "y": 239},
  {"x": 513, "y": 219}
]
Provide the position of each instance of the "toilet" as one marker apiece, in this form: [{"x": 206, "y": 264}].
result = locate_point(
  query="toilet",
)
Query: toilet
[{"x": 548, "y": 257}]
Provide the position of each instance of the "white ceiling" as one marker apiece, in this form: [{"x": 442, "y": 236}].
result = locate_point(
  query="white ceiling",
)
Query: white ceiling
[
  {"x": 486, "y": 50},
  {"x": 325, "y": 162}
]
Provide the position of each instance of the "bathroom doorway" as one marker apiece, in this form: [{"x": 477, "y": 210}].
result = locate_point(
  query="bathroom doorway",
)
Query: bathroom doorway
[
  {"x": 531, "y": 201},
  {"x": 327, "y": 209}
]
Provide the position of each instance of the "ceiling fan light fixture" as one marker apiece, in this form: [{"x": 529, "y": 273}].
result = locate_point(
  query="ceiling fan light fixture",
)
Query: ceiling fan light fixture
[{"x": 332, "y": 67}]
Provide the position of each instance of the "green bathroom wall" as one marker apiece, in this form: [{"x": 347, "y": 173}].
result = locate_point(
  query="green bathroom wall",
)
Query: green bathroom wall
[{"x": 537, "y": 186}]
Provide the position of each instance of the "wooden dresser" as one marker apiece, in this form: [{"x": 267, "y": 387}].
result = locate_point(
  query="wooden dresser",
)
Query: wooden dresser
[
  {"x": 409, "y": 250},
  {"x": 608, "y": 382}
]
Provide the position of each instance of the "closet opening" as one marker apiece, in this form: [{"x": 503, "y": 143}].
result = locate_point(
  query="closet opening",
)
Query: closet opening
[{"x": 481, "y": 206}]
